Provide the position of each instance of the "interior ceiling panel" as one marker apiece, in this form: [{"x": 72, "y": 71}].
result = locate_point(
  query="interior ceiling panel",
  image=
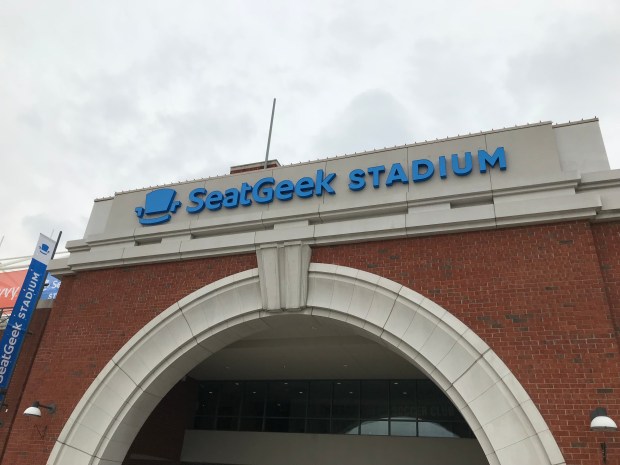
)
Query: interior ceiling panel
[{"x": 303, "y": 347}]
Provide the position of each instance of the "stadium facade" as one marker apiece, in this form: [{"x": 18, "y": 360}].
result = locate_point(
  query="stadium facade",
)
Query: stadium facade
[{"x": 447, "y": 302}]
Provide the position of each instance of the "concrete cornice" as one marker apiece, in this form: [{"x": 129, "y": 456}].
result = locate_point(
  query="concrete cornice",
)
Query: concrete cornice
[
  {"x": 565, "y": 199},
  {"x": 550, "y": 173}
]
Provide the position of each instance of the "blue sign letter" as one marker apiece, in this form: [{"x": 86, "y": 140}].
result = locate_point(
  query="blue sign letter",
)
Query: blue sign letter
[
  {"x": 304, "y": 188},
  {"x": 485, "y": 159},
  {"x": 456, "y": 169},
  {"x": 376, "y": 173},
  {"x": 194, "y": 197},
  {"x": 322, "y": 182},
  {"x": 416, "y": 176},
  {"x": 397, "y": 173},
  {"x": 266, "y": 195},
  {"x": 284, "y": 190},
  {"x": 357, "y": 180}
]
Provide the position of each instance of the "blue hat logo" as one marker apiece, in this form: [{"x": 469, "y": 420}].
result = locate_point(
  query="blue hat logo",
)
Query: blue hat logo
[
  {"x": 44, "y": 249},
  {"x": 160, "y": 202}
]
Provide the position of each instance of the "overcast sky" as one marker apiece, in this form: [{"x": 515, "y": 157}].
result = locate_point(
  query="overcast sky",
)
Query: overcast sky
[{"x": 99, "y": 97}]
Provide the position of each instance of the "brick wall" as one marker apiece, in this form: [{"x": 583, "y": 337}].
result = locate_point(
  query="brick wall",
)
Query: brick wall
[
  {"x": 13, "y": 400},
  {"x": 607, "y": 239},
  {"x": 95, "y": 314},
  {"x": 537, "y": 295}
]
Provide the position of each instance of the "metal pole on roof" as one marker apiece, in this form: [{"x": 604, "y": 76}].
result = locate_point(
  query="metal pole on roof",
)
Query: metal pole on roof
[{"x": 273, "y": 110}]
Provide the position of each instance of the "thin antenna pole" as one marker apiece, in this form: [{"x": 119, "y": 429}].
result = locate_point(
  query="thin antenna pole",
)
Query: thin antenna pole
[{"x": 273, "y": 110}]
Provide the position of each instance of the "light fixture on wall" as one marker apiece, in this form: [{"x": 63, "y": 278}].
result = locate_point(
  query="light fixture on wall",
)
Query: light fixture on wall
[
  {"x": 35, "y": 411},
  {"x": 601, "y": 422}
]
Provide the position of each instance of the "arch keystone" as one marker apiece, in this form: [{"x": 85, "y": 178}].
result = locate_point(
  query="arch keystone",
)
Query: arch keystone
[{"x": 283, "y": 273}]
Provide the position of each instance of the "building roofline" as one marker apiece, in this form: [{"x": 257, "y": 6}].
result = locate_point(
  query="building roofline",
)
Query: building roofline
[{"x": 355, "y": 154}]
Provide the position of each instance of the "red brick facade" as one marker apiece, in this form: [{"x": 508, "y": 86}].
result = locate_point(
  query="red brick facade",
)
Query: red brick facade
[
  {"x": 95, "y": 314},
  {"x": 545, "y": 298},
  {"x": 538, "y": 297},
  {"x": 13, "y": 400}
]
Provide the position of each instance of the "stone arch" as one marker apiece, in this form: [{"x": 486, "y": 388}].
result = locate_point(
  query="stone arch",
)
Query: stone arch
[{"x": 504, "y": 419}]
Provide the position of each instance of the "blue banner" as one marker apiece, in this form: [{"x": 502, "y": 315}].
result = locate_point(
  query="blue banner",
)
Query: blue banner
[
  {"x": 17, "y": 326},
  {"x": 50, "y": 290}
]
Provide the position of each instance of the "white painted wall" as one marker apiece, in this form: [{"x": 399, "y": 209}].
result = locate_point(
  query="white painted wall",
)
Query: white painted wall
[{"x": 245, "y": 448}]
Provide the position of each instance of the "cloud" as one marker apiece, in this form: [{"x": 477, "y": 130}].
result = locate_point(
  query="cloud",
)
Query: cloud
[
  {"x": 373, "y": 119},
  {"x": 568, "y": 76},
  {"x": 105, "y": 97},
  {"x": 51, "y": 225},
  {"x": 571, "y": 79}
]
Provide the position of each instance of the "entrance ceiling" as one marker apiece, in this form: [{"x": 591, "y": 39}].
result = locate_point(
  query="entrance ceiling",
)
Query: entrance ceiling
[{"x": 304, "y": 347}]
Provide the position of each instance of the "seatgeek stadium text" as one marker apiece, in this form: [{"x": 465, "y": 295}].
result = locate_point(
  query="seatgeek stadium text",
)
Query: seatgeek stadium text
[{"x": 265, "y": 190}]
